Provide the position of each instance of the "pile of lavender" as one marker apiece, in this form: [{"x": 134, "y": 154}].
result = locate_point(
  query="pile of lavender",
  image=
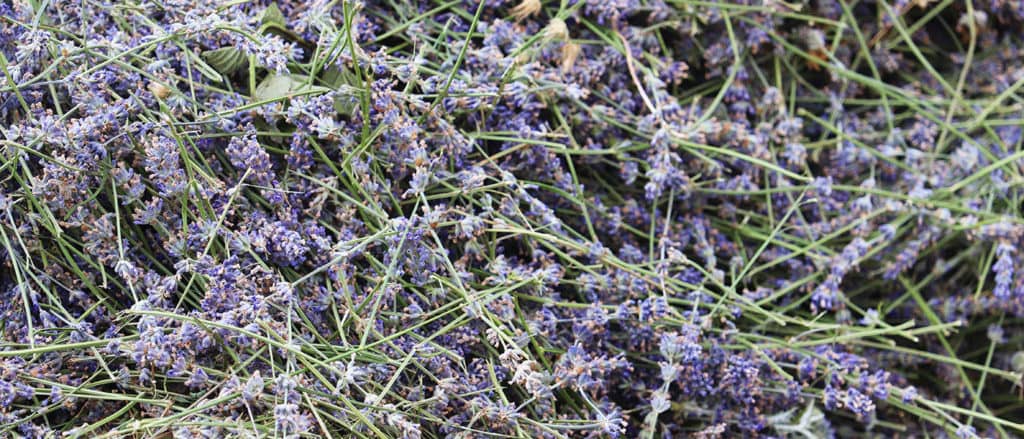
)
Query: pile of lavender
[{"x": 511, "y": 218}]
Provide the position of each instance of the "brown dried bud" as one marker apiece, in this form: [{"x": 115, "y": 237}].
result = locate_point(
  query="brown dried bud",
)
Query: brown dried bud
[
  {"x": 556, "y": 30},
  {"x": 525, "y": 9},
  {"x": 159, "y": 90},
  {"x": 570, "y": 51}
]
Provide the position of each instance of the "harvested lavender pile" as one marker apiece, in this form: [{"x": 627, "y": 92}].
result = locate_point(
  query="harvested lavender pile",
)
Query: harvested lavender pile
[{"x": 530, "y": 219}]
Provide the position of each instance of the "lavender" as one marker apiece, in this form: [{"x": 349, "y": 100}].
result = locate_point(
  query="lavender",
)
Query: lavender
[
  {"x": 1003, "y": 269},
  {"x": 525, "y": 218}
]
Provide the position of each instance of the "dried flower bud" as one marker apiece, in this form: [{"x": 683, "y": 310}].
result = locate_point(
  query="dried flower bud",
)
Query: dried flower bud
[
  {"x": 814, "y": 39},
  {"x": 525, "y": 9},
  {"x": 159, "y": 90},
  {"x": 570, "y": 51},
  {"x": 556, "y": 30},
  {"x": 980, "y": 19}
]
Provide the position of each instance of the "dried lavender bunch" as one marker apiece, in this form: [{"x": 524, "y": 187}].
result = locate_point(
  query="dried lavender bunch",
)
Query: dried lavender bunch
[{"x": 413, "y": 218}]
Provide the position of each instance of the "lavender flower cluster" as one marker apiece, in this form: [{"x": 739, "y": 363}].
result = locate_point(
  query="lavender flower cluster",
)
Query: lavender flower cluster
[{"x": 511, "y": 218}]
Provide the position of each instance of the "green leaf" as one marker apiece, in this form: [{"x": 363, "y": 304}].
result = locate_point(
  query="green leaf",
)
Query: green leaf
[
  {"x": 272, "y": 21},
  {"x": 272, "y": 16},
  {"x": 336, "y": 77},
  {"x": 346, "y": 83},
  {"x": 346, "y": 100},
  {"x": 275, "y": 87},
  {"x": 203, "y": 67},
  {"x": 226, "y": 60}
]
